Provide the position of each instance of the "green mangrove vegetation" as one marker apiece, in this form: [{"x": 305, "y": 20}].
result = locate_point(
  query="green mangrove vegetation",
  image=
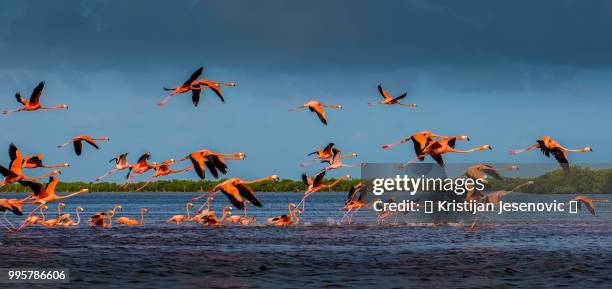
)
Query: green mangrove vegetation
[{"x": 582, "y": 180}]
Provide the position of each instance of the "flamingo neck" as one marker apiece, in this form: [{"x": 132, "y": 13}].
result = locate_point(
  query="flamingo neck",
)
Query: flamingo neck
[{"x": 78, "y": 217}]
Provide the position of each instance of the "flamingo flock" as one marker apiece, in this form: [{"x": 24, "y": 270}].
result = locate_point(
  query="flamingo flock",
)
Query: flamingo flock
[{"x": 238, "y": 192}]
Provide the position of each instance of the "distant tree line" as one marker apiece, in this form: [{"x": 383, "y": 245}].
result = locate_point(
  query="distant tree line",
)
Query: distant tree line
[{"x": 581, "y": 180}]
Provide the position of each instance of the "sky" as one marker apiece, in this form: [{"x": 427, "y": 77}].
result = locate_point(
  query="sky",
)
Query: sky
[{"x": 502, "y": 72}]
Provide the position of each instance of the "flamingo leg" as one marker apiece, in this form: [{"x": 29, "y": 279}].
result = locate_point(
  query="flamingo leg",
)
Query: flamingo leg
[
  {"x": 106, "y": 174},
  {"x": 6, "y": 111},
  {"x": 24, "y": 224},
  {"x": 166, "y": 99},
  {"x": 150, "y": 179}
]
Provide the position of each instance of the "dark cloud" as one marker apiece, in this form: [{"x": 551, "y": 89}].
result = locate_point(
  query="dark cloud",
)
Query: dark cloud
[{"x": 293, "y": 36}]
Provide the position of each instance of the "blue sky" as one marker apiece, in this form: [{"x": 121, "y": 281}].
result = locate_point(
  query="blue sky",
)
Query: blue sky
[{"x": 475, "y": 69}]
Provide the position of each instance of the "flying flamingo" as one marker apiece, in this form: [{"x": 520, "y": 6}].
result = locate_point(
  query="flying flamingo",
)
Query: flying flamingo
[
  {"x": 325, "y": 154},
  {"x": 388, "y": 99},
  {"x": 317, "y": 108},
  {"x": 186, "y": 87},
  {"x": 14, "y": 206},
  {"x": 483, "y": 171},
  {"x": 549, "y": 146},
  {"x": 70, "y": 222},
  {"x": 352, "y": 204},
  {"x": 495, "y": 197},
  {"x": 34, "y": 102},
  {"x": 212, "y": 160},
  {"x": 236, "y": 189},
  {"x": 132, "y": 221},
  {"x": 336, "y": 161},
  {"x": 33, "y": 162},
  {"x": 286, "y": 220},
  {"x": 315, "y": 185},
  {"x": 588, "y": 202},
  {"x": 77, "y": 141},
  {"x": 44, "y": 194},
  {"x": 215, "y": 86},
  {"x": 140, "y": 167},
  {"x": 13, "y": 173},
  {"x": 181, "y": 218},
  {"x": 163, "y": 169},
  {"x": 121, "y": 163},
  {"x": 437, "y": 148},
  {"x": 420, "y": 141}
]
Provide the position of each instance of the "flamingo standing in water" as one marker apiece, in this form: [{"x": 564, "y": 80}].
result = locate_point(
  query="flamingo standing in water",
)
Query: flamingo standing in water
[
  {"x": 494, "y": 197},
  {"x": 34, "y": 102},
  {"x": 549, "y": 146},
  {"x": 286, "y": 220},
  {"x": 388, "y": 99},
  {"x": 13, "y": 173},
  {"x": 133, "y": 221},
  {"x": 212, "y": 221},
  {"x": 77, "y": 142},
  {"x": 181, "y": 218},
  {"x": 315, "y": 185},
  {"x": 185, "y": 87},
  {"x": 103, "y": 219},
  {"x": 437, "y": 148},
  {"x": 352, "y": 204},
  {"x": 317, "y": 107},
  {"x": 121, "y": 163},
  {"x": 588, "y": 202},
  {"x": 212, "y": 160},
  {"x": 70, "y": 222},
  {"x": 33, "y": 162},
  {"x": 215, "y": 86},
  {"x": 420, "y": 141}
]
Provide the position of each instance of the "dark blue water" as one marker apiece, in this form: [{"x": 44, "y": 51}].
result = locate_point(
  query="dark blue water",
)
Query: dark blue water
[{"x": 511, "y": 250}]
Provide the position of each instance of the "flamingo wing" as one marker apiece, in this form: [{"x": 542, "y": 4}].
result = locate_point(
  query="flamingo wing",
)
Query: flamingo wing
[
  {"x": 219, "y": 163},
  {"x": 384, "y": 93},
  {"x": 198, "y": 164},
  {"x": 37, "y": 188},
  {"x": 438, "y": 159},
  {"x": 36, "y": 93},
  {"x": 491, "y": 172},
  {"x": 217, "y": 90},
  {"x": 211, "y": 167},
  {"x": 561, "y": 159},
  {"x": 318, "y": 179},
  {"x": 78, "y": 146},
  {"x": 248, "y": 194},
  {"x": 193, "y": 76},
  {"x": 233, "y": 195},
  {"x": 143, "y": 158},
  {"x": 90, "y": 141},
  {"x": 420, "y": 142},
  {"x": 195, "y": 96},
  {"x": 399, "y": 97},
  {"x": 21, "y": 99},
  {"x": 6, "y": 172},
  {"x": 16, "y": 158},
  {"x": 328, "y": 148},
  {"x": 35, "y": 161},
  {"x": 50, "y": 187},
  {"x": 320, "y": 113},
  {"x": 351, "y": 195},
  {"x": 306, "y": 180},
  {"x": 545, "y": 150}
]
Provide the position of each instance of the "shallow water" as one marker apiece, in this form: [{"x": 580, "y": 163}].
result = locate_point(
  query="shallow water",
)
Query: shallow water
[{"x": 511, "y": 250}]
